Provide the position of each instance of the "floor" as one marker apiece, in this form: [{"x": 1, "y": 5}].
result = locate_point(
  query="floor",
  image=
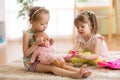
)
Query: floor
[{"x": 13, "y": 49}]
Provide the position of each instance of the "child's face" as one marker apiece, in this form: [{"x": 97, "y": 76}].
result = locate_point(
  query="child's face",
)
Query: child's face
[
  {"x": 42, "y": 23},
  {"x": 84, "y": 29}
]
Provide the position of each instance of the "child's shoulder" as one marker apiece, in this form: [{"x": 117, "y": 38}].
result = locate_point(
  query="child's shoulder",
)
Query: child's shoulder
[
  {"x": 28, "y": 33},
  {"x": 99, "y": 36}
]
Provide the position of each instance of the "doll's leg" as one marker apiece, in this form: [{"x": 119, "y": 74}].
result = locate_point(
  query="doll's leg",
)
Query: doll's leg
[
  {"x": 62, "y": 72},
  {"x": 56, "y": 63},
  {"x": 35, "y": 55}
]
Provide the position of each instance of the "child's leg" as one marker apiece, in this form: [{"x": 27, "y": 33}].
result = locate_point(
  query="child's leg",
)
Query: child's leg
[
  {"x": 70, "y": 68},
  {"x": 61, "y": 72},
  {"x": 85, "y": 74}
]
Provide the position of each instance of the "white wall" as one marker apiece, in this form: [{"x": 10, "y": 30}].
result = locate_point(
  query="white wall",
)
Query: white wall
[
  {"x": 61, "y": 20},
  {"x": 1, "y": 11}
]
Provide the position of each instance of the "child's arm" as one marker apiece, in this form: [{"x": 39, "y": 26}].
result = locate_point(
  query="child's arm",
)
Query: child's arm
[
  {"x": 26, "y": 49},
  {"x": 76, "y": 45},
  {"x": 94, "y": 55}
]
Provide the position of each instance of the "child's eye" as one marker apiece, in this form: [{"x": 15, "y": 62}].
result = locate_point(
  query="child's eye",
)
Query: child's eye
[
  {"x": 42, "y": 24},
  {"x": 82, "y": 26},
  {"x": 77, "y": 27}
]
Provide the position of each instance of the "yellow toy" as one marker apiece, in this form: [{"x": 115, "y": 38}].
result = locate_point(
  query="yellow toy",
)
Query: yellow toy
[{"x": 79, "y": 60}]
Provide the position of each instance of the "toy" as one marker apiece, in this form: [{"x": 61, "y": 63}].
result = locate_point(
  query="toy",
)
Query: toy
[
  {"x": 73, "y": 53},
  {"x": 43, "y": 37},
  {"x": 75, "y": 60},
  {"x": 45, "y": 52},
  {"x": 43, "y": 48},
  {"x": 115, "y": 64}
]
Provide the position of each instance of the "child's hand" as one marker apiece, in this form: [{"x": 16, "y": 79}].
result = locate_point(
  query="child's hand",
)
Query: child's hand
[
  {"x": 51, "y": 41},
  {"x": 78, "y": 55},
  {"x": 39, "y": 41}
]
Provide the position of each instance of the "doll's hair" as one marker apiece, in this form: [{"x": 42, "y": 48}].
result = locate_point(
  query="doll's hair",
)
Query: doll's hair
[
  {"x": 87, "y": 17},
  {"x": 41, "y": 34},
  {"x": 36, "y": 11}
]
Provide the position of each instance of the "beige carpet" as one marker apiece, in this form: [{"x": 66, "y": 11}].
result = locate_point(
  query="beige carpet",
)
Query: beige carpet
[{"x": 16, "y": 71}]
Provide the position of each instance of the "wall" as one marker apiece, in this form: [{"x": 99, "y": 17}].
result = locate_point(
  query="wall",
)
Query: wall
[{"x": 61, "y": 18}]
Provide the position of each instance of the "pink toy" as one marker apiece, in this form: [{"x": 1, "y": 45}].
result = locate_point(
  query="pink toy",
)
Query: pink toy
[
  {"x": 71, "y": 54},
  {"x": 115, "y": 64}
]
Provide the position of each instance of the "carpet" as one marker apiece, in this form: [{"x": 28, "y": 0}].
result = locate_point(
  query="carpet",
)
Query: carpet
[{"x": 16, "y": 71}]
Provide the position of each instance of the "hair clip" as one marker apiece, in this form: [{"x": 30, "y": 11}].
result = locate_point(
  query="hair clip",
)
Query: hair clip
[{"x": 90, "y": 12}]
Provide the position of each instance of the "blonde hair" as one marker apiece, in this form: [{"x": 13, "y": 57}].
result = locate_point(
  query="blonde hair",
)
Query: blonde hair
[
  {"x": 87, "y": 17},
  {"x": 35, "y": 12}
]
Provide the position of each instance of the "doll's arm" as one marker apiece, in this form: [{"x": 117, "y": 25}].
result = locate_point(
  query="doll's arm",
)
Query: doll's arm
[
  {"x": 34, "y": 56},
  {"x": 51, "y": 41}
]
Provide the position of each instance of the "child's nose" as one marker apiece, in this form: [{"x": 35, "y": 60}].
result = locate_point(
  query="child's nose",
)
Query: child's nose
[
  {"x": 80, "y": 29},
  {"x": 45, "y": 26}
]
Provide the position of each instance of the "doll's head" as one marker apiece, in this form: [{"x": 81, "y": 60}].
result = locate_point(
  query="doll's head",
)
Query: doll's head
[{"x": 41, "y": 36}]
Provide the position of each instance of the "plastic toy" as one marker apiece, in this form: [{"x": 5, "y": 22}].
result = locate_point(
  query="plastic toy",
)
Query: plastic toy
[
  {"x": 71, "y": 54},
  {"x": 115, "y": 64}
]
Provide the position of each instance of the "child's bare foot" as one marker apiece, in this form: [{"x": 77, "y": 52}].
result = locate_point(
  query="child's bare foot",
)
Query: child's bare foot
[
  {"x": 86, "y": 74},
  {"x": 80, "y": 72}
]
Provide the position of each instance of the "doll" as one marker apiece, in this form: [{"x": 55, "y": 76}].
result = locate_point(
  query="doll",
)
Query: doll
[{"x": 44, "y": 52}]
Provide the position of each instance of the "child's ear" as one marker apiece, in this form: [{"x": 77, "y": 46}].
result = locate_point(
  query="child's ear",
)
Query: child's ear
[
  {"x": 91, "y": 27},
  {"x": 31, "y": 21}
]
